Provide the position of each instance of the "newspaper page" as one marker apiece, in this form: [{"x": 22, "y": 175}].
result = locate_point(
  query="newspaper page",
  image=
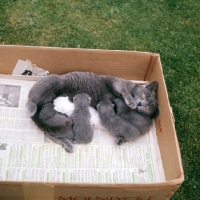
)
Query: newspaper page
[{"x": 26, "y": 154}]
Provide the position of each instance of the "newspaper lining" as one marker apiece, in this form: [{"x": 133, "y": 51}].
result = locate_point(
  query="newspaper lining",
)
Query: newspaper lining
[{"x": 26, "y": 154}]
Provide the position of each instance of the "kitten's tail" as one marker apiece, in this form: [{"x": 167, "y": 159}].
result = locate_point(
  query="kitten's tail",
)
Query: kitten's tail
[{"x": 32, "y": 108}]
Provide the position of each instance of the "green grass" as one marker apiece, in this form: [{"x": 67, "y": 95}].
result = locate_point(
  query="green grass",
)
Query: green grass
[{"x": 168, "y": 27}]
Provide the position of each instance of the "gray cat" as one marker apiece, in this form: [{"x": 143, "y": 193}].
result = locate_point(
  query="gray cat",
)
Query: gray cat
[
  {"x": 82, "y": 128},
  {"x": 119, "y": 128},
  {"x": 98, "y": 87}
]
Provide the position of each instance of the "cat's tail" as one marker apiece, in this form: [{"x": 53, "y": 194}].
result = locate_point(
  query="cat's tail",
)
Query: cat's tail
[{"x": 31, "y": 107}]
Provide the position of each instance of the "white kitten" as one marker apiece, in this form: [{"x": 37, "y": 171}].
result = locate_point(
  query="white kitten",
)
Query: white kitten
[{"x": 65, "y": 106}]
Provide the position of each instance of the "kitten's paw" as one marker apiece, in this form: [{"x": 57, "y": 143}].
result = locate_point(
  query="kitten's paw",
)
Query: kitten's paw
[
  {"x": 69, "y": 147},
  {"x": 119, "y": 140},
  {"x": 130, "y": 102}
]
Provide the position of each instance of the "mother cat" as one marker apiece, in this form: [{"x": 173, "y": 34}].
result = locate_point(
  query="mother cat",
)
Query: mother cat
[{"x": 98, "y": 87}]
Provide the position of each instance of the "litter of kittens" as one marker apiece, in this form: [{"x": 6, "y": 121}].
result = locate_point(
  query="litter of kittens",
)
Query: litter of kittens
[
  {"x": 109, "y": 171},
  {"x": 106, "y": 161}
]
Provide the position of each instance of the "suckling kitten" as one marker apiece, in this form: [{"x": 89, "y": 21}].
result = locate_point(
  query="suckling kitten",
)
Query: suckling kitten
[
  {"x": 120, "y": 129},
  {"x": 65, "y": 106},
  {"x": 140, "y": 121},
  {"x": 82, "y": 128},
  {"x": 56, "y": 126}
]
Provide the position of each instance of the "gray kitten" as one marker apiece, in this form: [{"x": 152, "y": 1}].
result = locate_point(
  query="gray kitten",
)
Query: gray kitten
[
  {"x": 81, "y": 119},
  {"x": 56, "y": 126},
  {"x": 120, "y": 129},
  {"x": 140, "y": 121}
]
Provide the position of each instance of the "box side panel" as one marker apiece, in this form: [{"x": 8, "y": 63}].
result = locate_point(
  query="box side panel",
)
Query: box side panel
[
  {"x": 26, "y": 191},
  {"x": 11, "y": 192},
  {"x": 166, "y": 133},
  {"x": 125, "y": 64},
  {"x": 60, "y": 191},
  {"x": 128, "y": 193},
  {"x": 35, "y": 191}
]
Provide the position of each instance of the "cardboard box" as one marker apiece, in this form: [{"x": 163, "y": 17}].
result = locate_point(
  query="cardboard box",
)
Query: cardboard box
[{"x": 130, "y": 65}]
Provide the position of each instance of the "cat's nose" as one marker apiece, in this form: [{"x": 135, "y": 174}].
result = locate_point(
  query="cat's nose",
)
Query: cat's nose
[{"x": 139, "y": 104}]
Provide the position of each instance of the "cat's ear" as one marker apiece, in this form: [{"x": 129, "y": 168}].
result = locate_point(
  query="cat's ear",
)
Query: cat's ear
[
  {"x": 89, "y": 99},
  {"x": 152, "y": 86},
  {"x": 74, "y": 98}
]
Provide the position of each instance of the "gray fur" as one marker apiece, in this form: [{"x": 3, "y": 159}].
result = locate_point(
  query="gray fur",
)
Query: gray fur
[
  {"x": 140, "y": 121},
  {"x": 98, "y": 87},
  {"x": 146, "y": 100},
  {"x": 56, "y": 126},
  {"x": 81, "y": 119},
  {"x": 119, "y": 128}
]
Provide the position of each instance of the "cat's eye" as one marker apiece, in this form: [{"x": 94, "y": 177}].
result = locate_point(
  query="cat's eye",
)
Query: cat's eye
[
  {"x": 147, "y": 107},
  {"x": 143, "y": 96}
]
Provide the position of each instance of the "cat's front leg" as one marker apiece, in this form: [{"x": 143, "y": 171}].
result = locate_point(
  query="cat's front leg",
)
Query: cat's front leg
[
  {"x": 120, "y": 87},
  {"x": 130, "y": 101}
]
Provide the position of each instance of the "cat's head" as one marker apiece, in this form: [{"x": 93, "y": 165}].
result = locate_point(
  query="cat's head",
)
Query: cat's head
[
  {"x": 82, "y": 99},
  {"x": 104, "y": 107},
  {"x": 146, "y": 100}
]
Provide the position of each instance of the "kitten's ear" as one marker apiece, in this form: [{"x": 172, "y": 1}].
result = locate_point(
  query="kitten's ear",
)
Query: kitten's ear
[
  {"x": 152, "y": 86},
  {"x": 89, "y": 99},
  {"x": 116, "y": 100},
  {"x": 74, "y": 98}
]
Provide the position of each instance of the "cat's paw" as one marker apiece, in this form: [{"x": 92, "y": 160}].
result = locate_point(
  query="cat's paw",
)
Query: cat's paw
[
  {"x": 119, "y": 140},
  {"x": 69, "y": 147},
  {"x": 130, "y": 102}
]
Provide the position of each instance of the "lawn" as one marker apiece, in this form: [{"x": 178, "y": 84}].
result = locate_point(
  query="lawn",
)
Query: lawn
[{"x": 168, "y": 27}]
